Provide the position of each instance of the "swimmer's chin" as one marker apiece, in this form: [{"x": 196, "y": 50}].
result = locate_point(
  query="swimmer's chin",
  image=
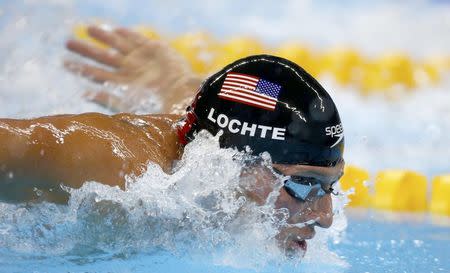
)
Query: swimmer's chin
[
  {"x": 296, "y": 249},
  {"x": 295, "y": 245}
]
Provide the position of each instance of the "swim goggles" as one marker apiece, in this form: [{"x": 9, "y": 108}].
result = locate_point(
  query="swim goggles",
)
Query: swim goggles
[{"x": 302, "y": 187}]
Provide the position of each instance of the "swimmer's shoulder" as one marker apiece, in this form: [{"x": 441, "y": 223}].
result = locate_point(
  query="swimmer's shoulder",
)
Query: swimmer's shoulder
[
  {"x": 160, "y": 131},
  {"x": 62, "y": 120},
  {"x": 125, "y": 121},
  {"x": 168, "y": 119},
  {"x": 164, "y": 121}
]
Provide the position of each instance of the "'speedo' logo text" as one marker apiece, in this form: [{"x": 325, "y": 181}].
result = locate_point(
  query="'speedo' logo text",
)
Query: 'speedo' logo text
[{"x": 335, "y": 131}]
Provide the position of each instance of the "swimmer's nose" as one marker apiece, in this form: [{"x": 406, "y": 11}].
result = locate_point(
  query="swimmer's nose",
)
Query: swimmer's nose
[
  {"x": 317, "y": 213},
  {"x": 323, "y": 207}
]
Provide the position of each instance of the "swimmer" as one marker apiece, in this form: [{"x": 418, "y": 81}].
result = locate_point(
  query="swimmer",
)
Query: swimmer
[{"x": 264, "y": 103}]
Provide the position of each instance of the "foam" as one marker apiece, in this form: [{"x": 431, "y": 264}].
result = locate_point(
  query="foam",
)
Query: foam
[{"x": 196, "y": 211}]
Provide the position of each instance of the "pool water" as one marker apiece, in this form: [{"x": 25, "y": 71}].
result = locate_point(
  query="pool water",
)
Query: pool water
[
  {"x": 372, "y": 243},
  {"x": 387, "y": 242}
]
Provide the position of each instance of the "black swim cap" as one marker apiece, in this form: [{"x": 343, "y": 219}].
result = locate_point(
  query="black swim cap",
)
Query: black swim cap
[{"x": 269, "y": 104}]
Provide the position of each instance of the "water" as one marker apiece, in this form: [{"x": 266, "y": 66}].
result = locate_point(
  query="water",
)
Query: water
[
  {"x": 149, "y": 228},
  {"x": 192, "y": 213},
  {"x": 372, "y": 243},
  {"x": 384, "y": 242}
]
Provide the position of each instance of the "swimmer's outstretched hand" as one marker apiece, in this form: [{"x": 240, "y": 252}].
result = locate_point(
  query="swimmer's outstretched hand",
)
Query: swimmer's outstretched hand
[{"x": 140, "y": 65}]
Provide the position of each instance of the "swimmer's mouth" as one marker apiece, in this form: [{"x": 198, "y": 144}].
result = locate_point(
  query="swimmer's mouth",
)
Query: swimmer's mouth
[
  {"x": 302, "y": 245},
  {"x": 296, "y": 240},
  {"x": 296, "y": 247}
]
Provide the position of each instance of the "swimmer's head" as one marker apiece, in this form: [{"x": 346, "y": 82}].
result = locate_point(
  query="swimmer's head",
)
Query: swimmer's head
[{"x": 271, "y": 104}]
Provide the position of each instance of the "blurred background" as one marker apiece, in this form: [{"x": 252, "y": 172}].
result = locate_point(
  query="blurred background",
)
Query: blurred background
[{"x": 386, "y": 63}]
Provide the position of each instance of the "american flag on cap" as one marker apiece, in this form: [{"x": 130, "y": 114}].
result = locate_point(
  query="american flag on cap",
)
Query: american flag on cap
[{"x": 250, "y": 90}]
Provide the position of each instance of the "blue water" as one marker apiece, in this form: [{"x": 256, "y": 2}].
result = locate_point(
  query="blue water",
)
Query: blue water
[
  {"x": 372, "y": 243},
  {"x": 376, "y": 242}
]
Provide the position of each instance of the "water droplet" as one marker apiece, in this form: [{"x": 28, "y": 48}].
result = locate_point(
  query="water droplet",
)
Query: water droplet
[
  {"x": 38, "y": 191},
  {"x": 418, "y": 243}
]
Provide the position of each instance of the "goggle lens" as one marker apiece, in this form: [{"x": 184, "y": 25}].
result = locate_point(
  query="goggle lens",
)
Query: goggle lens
[
  {"x": 301, "y": 187},
  {"x": 300, "y": 191}
]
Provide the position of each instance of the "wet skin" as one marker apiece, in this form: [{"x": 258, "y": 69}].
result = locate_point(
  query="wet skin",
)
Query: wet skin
[
  {"x": 45, "y": 153},
  {"x": 304, "y": 216},
  {"x": 37, "y": 156},
  {"x": 69, "y": 150}
]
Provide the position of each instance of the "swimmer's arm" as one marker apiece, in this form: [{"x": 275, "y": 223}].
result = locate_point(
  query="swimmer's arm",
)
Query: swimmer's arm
[
  {"x": 22, "y": 169},
  {"x": 145, "y": 66},
  {"x": 37, "y": 156}
]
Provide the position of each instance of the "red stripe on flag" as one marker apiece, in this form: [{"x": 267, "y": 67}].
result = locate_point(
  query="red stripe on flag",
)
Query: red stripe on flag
[
  {"x": 241, "y": 81},
  {"x": 248, "y": 103},
  {"x": 248, "y": 95},
  {"x": 250, "y": 92},
  {"x": 239, "y": 85},
  {"x": 271, "y": 105}
]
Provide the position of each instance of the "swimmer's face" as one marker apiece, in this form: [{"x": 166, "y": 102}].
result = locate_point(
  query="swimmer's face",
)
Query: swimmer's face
[{"x": 304, "y": 216}]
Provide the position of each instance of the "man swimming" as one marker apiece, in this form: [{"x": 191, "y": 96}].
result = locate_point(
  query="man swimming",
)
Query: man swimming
[{"x": 262, "y": 103}]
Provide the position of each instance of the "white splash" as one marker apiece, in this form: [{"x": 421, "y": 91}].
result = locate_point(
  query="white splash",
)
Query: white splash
[{"x": 197, "y": 210}]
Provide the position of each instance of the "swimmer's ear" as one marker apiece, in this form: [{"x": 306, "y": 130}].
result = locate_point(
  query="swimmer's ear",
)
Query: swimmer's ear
[{"x": 258, "y": 182}]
